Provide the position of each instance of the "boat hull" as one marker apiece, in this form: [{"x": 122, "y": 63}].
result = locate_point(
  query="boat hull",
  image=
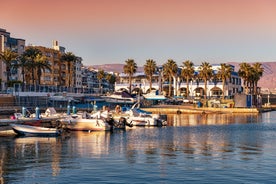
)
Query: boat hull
[
  {"x": 27, "y": 130},
  {"x": 88, "y": 125}
]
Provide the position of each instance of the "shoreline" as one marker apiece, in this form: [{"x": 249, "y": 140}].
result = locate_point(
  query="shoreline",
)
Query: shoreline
[{"x": 186, "y": 109}]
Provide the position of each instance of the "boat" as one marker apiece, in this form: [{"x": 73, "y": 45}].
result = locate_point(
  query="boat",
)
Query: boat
[
  {"x": 99, "y": 121},
  {"x": 120, "y": 97},
  {"x": 58, "y": 97},
  {"x": 154, "y": 95},
  {"x": 137, "y": 117},
  {"x": 28, "y": 130}
]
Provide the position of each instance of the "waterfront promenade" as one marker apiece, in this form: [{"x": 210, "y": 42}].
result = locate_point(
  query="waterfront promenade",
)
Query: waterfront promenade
[{"x": 191, "y": 109}]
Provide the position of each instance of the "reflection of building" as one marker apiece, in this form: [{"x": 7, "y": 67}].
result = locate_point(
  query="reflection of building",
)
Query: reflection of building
[
  {"x": 14, "y": 44},
  {"x": 196, "y": 86}
]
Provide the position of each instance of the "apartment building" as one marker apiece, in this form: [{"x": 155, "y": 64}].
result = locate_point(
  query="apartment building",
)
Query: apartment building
[
  {"x": 14, "y": 44},
  {"x": 57, "y": 78}
]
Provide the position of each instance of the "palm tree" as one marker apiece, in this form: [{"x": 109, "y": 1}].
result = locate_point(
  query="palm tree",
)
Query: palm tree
[
  {"x": 8, "y": 57},
  {"x": 205, "y": 73},
  {"x": 224, "y": 73},
  {"x": 258, "y": 73},
  {"x": 111, "y": 80},
  {"x": 70, "y": 60},
  {"x": 170, "y": 69},
  {"x": 41, "y": 64},
  {"x": 22, "y": 63},
  {"x": 244, "y": 73},
  {"x": 187, "y": 73},
  {"x": 29, "y": 57},
  {"x": 130, "y": 69},
  {"x": 100, "y": 77},
  {"x": 150, "y": 69}
]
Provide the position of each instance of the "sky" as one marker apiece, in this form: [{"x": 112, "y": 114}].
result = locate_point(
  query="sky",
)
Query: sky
[{"x": 112, "y": 31}]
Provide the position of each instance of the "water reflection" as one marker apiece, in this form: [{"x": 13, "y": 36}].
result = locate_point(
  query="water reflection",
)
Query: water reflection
[
  {"x": 212, "y": 119},
  {"x": 30, "y": 149},
  {"x": 190, "y": 142},
  {"x": 90, "y": 144}
]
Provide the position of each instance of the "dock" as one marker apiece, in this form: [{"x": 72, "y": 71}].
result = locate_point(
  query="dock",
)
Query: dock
[{"x": 190, "y": 109}]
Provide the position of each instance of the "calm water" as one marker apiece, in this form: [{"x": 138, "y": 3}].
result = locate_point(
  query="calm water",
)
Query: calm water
[{"x": 193, "y": 149}]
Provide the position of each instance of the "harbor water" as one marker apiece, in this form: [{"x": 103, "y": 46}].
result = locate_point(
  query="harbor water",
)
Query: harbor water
[{"x": 202, "y": 148}]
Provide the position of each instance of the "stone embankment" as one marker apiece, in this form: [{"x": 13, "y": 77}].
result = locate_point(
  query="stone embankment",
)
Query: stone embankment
[{"x": 190, "y": 109}]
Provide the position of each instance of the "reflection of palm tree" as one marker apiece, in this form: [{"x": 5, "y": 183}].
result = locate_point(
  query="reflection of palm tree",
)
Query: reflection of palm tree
[
  {"x": 205, "y": 73},
  {"x": 149, "y": 69},
  {"x": 130, "y": 69},
  {"x": 170, "y": 70},
  {"x": 224, "y": 73},
  {"x": 8, "y": 57},
  {"x": 188, "y": 73}
]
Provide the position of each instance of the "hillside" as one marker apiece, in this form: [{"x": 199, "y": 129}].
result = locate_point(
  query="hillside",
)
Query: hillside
[
  {"x": 268, "y": 79},
  {"x": 113, "y": 67}
]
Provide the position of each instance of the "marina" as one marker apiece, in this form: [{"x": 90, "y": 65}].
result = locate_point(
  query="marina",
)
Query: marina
[{"x": 192, "y": 148}]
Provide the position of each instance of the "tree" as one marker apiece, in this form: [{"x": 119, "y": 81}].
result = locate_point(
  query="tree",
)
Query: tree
[
  {"x": 8, "y": 57},
  {"x": 224, "y": 73},
  {"x": 29, "y": 60},
  {"x": 150, "y": 69},
  {"x": 187, "y": 72},
  {"x": 41, "y": 64},
  {"x": 244, "y": 73},
  {"x": 258, "y": 73},
  {"x": 70, "y": 59},
  {"x": 130, "y": 69},
  {"x": 205, "y": 73},
  {"x": 111, "y": 78},
  {"x": 100, "y": 77},
  {"x": 170, "y": 69}
]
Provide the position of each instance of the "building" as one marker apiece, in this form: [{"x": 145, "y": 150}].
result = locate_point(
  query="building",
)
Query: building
[
  {"x": 16, "y": 45},
  {"x": 57, "y": 79},
  {"x": 196, "y": 86}
]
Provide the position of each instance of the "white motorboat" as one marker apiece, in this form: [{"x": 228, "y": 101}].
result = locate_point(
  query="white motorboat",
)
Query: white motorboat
[
  {"x": 28, "y": 130},
  {"x": 120, "y": 97},
  {"x": 137, "y": 117},
  {"x": 99, "y": 121},
  {"x": 154, "y": 95}
]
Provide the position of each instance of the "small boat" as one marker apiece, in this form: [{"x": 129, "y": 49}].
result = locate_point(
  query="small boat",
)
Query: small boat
[
  {"x": 154, "y": 95},
  {"x": 28, "y": 130},
  {"x": 120, "y": 97},
  {"x": 137, "y": 117},
  {"x": 99, "y": 121}
]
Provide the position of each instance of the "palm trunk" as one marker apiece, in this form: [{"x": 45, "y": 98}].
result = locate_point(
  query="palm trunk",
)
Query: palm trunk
[
  {"x": 205, "y": 89},
  {"x": 130, "y": 83},
  {"x": 223, "y": 88},
  {"x": 187, "y": 87}
]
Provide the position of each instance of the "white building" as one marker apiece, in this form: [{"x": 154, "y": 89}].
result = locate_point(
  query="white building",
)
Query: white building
[{"x": 196, "y": 87}]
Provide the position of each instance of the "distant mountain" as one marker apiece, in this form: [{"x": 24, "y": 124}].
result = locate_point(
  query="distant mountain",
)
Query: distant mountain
[
  {"x": 114, "y": 67},
  {"x": 268, "y": 79}
]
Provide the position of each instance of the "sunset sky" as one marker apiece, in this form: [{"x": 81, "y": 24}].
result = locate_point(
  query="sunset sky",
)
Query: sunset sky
[{"x": 112, "y": 31}]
